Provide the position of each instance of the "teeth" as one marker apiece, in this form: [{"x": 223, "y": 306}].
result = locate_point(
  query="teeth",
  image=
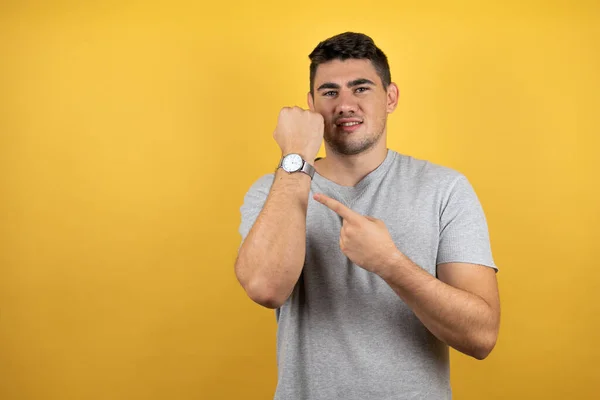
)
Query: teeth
[{"x": 349, "y": 123}]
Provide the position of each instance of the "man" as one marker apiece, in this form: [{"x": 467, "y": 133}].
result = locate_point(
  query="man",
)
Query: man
[{"x": 375, "y": 261}]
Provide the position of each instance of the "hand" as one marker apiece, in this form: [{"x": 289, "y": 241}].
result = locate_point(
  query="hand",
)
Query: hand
[
  {"x": 299, "y": 131},
  {"x": 363, "y": 239}
]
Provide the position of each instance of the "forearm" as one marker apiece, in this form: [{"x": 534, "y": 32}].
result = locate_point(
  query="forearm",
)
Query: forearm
[
  {"x": 272, "y": 256},
  {"x": 461, "y": 319}
]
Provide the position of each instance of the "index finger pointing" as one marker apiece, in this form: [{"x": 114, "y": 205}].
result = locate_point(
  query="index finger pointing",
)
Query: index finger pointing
[{"x": 336, "y": 206}]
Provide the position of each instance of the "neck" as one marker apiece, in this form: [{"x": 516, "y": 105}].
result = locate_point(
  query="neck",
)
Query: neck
[{"x": 349, "y": 170}]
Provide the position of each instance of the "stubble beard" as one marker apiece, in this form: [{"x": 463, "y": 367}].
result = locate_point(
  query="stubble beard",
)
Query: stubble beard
[{"x": 339, "y": 144}]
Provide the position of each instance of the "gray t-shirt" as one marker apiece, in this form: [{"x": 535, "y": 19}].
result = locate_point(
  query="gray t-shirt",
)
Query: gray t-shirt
[{"x": 344, "y": 333}]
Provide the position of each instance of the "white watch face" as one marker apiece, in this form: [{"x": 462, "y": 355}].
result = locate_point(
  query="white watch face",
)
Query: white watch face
[{"x": 292, "y": 163}]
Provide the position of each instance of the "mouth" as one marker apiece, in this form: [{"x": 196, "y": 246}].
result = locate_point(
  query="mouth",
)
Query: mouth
[{"x": 348, "y": 125}]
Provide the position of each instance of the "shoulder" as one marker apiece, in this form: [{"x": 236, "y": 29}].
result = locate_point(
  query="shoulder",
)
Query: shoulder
[
  {"x": 259, "y": 188},
  {"x": 263, "y": 182},
  {"x": 424, "y": 172}
]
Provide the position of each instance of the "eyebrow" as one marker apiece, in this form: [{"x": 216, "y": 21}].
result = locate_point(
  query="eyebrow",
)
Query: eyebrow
[{"x": 356, "y": 82}]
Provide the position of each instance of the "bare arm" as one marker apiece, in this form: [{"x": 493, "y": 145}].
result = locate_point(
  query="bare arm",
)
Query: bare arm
[
  {"x": 462, "y": 308},
  {"x": 271, "y": 258}
]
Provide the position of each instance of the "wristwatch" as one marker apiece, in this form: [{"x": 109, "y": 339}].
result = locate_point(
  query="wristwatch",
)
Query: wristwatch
[{"x": 295, "y": 163}]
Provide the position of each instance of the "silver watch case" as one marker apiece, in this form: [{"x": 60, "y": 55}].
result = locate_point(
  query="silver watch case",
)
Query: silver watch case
[{"x": 295, "y": 163}]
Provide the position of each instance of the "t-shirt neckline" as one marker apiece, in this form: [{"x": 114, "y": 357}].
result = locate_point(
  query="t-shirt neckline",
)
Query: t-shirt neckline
[{"x": 349, "y": 192}]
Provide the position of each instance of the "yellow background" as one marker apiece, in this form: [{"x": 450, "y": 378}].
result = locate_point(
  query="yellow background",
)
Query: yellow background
[{"x": 130, "y": 131}]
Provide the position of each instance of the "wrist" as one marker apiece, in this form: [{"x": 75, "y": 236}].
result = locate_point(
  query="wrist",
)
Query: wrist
[
  {"x": 304, "y": 154},
  {"x": 295, "y": 162},
  {"x": 390, "y": 264}
]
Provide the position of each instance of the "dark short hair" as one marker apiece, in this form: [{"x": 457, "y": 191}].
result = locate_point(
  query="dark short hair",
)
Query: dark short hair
[{"x": 349, "y": 45}]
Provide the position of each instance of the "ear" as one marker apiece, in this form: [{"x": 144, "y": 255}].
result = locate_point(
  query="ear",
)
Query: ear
[
  {"x": 310, "y": 101},
  {"x": 393, "y": 94}
]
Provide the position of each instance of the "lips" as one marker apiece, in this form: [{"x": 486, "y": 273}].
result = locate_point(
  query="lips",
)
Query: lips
[
  {"x": 348, "y": 125},
  {"x": 348, "y": 122}
]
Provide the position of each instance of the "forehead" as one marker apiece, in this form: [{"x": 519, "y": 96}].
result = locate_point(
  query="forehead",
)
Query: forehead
[{"x": 337, "y": 71}]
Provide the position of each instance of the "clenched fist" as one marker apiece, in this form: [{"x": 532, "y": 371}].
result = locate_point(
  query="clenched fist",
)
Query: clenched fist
[
  {"x": 299, "y": 131},
  {"x": 364, "y": 240}
]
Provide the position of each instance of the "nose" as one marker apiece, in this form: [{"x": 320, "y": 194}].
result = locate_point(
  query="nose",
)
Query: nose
[{"x": 347, "y": 103}]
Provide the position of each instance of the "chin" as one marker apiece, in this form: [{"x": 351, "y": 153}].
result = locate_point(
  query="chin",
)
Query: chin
[
  {"x": 351, "y": 149},
  {"x": 352, "y": 145}
]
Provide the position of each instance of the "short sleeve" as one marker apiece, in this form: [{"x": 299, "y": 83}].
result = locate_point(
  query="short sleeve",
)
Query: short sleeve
[
  {"x": 464, "y": 235},
  {"x": 253, "y": 203}
]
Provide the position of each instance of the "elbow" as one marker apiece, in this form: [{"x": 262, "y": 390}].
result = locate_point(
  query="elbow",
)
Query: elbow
[
  {"x": 484, "y": 345},
  {"x": 258, "y": 288},
  {"x": 481, "y": 353},
  {"x": 261, "y": 288},
  {"x": 263, "y": 294}
]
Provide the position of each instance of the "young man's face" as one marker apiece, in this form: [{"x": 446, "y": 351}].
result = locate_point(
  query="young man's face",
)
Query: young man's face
[{"x": 354, "y": 104}]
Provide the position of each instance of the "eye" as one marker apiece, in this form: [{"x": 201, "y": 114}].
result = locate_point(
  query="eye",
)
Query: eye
[
  {"x": 361, "y": 89},
  {"x": 330, "y": 93}
]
